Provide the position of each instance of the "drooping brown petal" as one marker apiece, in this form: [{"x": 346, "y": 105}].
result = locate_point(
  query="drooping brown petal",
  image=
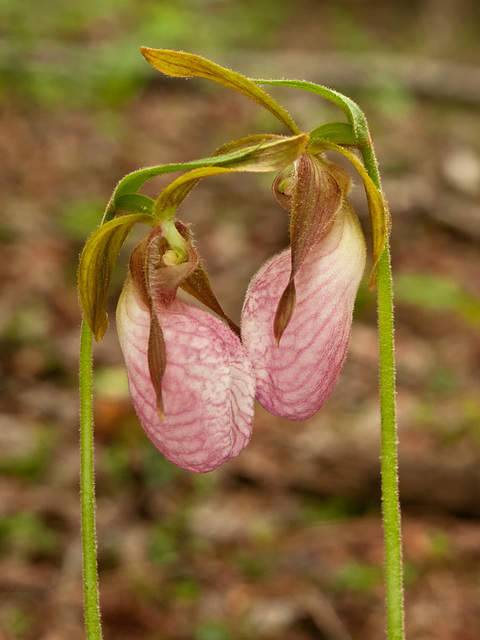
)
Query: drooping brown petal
[
  {"x": 137, "y": 269},
  {"x": 314, "y": 195},
  {"x": 198, "y": 285},
  {"x": 317, "y": 197},
  {"x": 285, "y": 309},
  {"x": 377, "y": 205},
  {"x": 157, "y": 276},
  {"x": 157, "y": 359}
]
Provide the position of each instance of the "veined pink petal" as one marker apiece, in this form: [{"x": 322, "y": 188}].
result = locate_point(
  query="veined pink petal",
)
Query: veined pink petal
[
  {"x": 208, "y": 386},
  {"x": 295, "y": 378}
]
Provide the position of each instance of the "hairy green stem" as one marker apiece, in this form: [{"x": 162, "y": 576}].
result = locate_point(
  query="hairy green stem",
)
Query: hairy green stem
[
  {"x": 389, "y": 460},
  {"x": 87, "y": 489}
]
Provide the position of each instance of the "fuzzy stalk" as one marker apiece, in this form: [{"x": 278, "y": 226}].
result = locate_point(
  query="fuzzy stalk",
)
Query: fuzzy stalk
[
  {"x": 87, "y": 489},
  {"x": 389, "y": 439}
]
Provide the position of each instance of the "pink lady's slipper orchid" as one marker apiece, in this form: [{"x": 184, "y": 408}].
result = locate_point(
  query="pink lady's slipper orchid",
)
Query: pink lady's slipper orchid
[
  {"x": 190, "y": 379},
  {"x": 297, "y": 315}
]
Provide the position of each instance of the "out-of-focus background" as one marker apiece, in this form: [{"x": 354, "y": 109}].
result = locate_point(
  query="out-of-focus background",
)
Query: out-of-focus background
[{"x": 285, "y": 542}]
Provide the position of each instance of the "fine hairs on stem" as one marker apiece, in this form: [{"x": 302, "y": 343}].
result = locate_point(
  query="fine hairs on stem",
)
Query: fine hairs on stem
[{"x": 87, "y": 489}]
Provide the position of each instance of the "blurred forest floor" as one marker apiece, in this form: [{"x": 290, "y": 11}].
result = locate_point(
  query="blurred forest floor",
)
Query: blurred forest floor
[{"x": 285, "y": 542}]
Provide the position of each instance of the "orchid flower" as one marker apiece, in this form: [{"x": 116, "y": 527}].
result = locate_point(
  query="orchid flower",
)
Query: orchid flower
[
  {"x": 297, "y": 314},
  {"x": 190, "y": 379}
]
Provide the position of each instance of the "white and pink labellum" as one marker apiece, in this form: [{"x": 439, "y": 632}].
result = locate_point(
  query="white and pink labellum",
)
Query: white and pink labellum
[
  {"x": 296, "y": 374},
  {"x": 207, "y": 385}
]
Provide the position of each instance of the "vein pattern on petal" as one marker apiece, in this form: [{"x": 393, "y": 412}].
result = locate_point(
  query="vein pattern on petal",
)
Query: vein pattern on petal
[{"x": 208, "y": 386}]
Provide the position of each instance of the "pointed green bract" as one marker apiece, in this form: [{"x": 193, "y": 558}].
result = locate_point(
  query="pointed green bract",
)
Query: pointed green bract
[
  {"x": 338, "y": 132},
  {"x": 186, "y": 65},
  {"x": 285, "y": 310},
  {"x": 96, "y": 268},
  {"x": 273, "y": 155},
  {"x": 134, "y": 203},
  {"x": 133, "y": 181}
]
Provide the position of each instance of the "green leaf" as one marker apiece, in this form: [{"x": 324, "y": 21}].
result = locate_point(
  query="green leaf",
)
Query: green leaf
[
  {"x": 97, "y": 262},
  {"x": 186, "y": 65},
  {"x": 354, "y": 114},
  {"x": 337, "y": 132}
]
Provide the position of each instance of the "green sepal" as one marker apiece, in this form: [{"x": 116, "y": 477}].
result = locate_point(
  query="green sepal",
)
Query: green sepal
[
  {"x": 377, "y": 205},
  {"x": 259, "y": 157},
  {"x": 354, "y": 114},
  {"x": 187, "y": 65},
  {"x": 337, "y": 132},
  {"x": 97, "y": 262}
]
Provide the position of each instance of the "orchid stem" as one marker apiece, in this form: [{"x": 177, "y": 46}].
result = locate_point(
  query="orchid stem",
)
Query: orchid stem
[
  {"x": 87, "y": 489},
  {"x": 389, "y": 455}
]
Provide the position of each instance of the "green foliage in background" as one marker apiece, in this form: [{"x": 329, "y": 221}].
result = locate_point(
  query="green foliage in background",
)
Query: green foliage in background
[
  {"x": 62, "y": 53},
  {"x": 25, "y": 534},
  {"x": 436, "y": 293}
]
